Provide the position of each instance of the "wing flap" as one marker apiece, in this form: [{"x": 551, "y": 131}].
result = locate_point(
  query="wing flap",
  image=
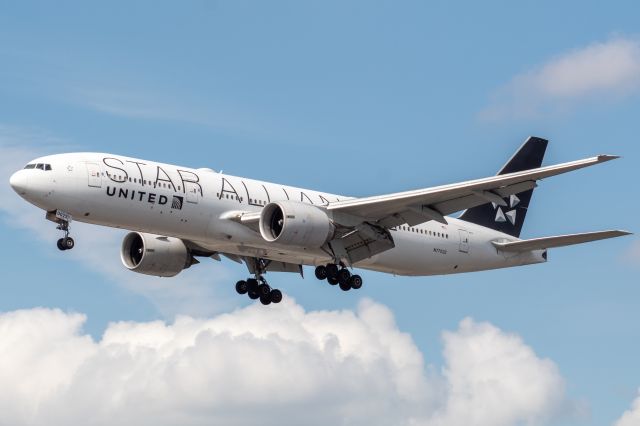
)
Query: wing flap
[{"x": 557, "y": 241}]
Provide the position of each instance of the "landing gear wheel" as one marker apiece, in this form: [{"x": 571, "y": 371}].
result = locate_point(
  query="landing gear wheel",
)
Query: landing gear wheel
[
  {"x": 332, "y": 281},
  {"x": 252, "y": 285},
  {"x": 343, "y": 276},
  {"x": 355, "y": 281},
  {"x": 265, "y": 299},
  {"x": 321, "y": 272},
  {"x": 60, "y": 244},
  {"x": 253, "y": 295},
  {"x": 276, "y": 296},
  {"x": 242, "y": 287},
  {"x": 332, "y": 270},
  {"x": 68, "y": 243},
  {"x": 264, "y": 290},
  {"x": 345, "y": 286}
]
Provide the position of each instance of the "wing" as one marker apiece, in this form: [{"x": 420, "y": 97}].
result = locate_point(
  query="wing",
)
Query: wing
[{"x": 422, "y": 205}]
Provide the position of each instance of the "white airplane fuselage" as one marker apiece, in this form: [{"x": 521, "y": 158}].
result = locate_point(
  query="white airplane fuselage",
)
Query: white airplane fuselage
[{"x": 195, "y": 205}]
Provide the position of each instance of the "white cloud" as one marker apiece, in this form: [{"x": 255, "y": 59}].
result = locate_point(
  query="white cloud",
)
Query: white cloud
[
  {"x": 487, "y": 381},
  {"x": 195, "y": 291},
  {"x": 280, "y": 365},
  {"x": 631, "y": 417},
  {"x": 600, "y": 71}
]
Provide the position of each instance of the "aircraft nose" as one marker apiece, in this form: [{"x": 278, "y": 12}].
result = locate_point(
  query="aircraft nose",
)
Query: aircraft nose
[{"x": 18, "y": 182}]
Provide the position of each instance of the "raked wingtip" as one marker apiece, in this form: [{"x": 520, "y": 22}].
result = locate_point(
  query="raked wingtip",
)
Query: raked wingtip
[{"x": 607, "y": 157}]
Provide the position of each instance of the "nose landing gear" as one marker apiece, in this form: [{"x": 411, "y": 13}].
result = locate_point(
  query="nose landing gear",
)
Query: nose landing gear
[{"x": 63, "y": 220}]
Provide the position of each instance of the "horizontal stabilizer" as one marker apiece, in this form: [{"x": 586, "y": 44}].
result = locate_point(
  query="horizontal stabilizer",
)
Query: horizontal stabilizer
[{"x": 559, "y": 241}]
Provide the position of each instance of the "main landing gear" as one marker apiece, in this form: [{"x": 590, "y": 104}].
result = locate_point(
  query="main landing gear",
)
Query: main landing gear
[
  {"x": 340, "y": 275},
  {"x": 257, "y": 288},
  {"x": 65, "y": 243}
]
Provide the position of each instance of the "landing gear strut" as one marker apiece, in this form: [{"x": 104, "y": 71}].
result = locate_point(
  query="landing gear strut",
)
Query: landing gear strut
[
  {"x": 63, "y": 220},
  {"x": 257, "y": 288},
  {"x": 340, "y": 275}
]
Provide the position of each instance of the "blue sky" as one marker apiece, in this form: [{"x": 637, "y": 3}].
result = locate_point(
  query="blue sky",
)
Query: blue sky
[{"x": 357, "y": 98}]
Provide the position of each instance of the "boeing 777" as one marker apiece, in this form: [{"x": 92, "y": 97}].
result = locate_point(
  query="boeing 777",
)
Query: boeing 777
[{"x": 177, "y": 214}]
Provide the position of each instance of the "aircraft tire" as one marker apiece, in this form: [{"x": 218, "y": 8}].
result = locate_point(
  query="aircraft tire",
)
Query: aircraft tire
[
  {"x": 332, "y": 281},
  {"x": 276, "y": 296},
  {"x": 265, "y": 299},
  {"x": 252, "y": 284},
  {"x": 355, "y": 281},
  {"x": 321, "y": 272},
  {"x": 242, "y": 287},
  {"x": 345, "y": 286},
  {"x": 68, "y": 243},
  {"x": 61, "y": 246},
  {"x": 332, "y": 270},
  {"x": 264, "y": 290},
  {"x": 343, "y": 276}
]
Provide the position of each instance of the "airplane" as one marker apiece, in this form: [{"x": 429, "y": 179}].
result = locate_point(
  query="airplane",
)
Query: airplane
[{"x": 177, "y": 214}]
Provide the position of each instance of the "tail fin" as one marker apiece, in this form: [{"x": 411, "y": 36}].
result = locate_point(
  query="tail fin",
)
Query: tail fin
[{"x": 510, "y": 219}]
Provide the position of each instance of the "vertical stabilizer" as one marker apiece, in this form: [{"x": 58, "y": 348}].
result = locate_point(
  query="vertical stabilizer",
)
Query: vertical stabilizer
[{"x": 510, "y": 218}]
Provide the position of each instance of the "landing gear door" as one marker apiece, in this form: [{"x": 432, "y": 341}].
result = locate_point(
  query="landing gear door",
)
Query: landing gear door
[
  {"x": 95, "y": 175},
  {"x": 464, "y": 241}
]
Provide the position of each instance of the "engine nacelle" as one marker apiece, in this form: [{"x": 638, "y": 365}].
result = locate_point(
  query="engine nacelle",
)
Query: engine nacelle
[
  {"x": 154, "y": 254},
  {"x": 296, "y": 224}
]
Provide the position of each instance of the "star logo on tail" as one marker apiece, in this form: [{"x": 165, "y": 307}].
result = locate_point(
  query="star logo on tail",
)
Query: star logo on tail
[{"x": 509, "y": 215}]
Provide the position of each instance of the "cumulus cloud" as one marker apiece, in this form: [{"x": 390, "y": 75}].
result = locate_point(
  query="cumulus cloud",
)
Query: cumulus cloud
[
  {"x": 193, "y": 292},
  {"x": 281, "y": 365},
  {"x": 631, "y": 417},
  {"x": 487, "y": 380},
  {"x": 600, "y": 71}
]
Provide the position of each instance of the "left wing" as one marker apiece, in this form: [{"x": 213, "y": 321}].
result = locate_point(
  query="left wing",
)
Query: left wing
[{"x": 422, "y": 205}]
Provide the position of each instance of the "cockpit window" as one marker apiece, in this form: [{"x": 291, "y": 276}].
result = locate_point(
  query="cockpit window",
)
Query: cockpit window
[{"x": 39, "y": 166}]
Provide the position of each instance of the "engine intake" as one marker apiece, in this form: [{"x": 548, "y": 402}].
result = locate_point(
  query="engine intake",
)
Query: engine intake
[
  {"x": 296, "y": 224},
  {"x": 156, "y": 255}
]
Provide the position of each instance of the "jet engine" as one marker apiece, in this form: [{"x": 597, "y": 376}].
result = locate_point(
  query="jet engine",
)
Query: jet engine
[
  {"x": 296, "y": 224},
  {"x": 151, "y": 254}
]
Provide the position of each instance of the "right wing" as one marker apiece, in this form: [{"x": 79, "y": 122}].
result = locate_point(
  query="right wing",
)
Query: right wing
[{"x": 559, "y": 241}]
